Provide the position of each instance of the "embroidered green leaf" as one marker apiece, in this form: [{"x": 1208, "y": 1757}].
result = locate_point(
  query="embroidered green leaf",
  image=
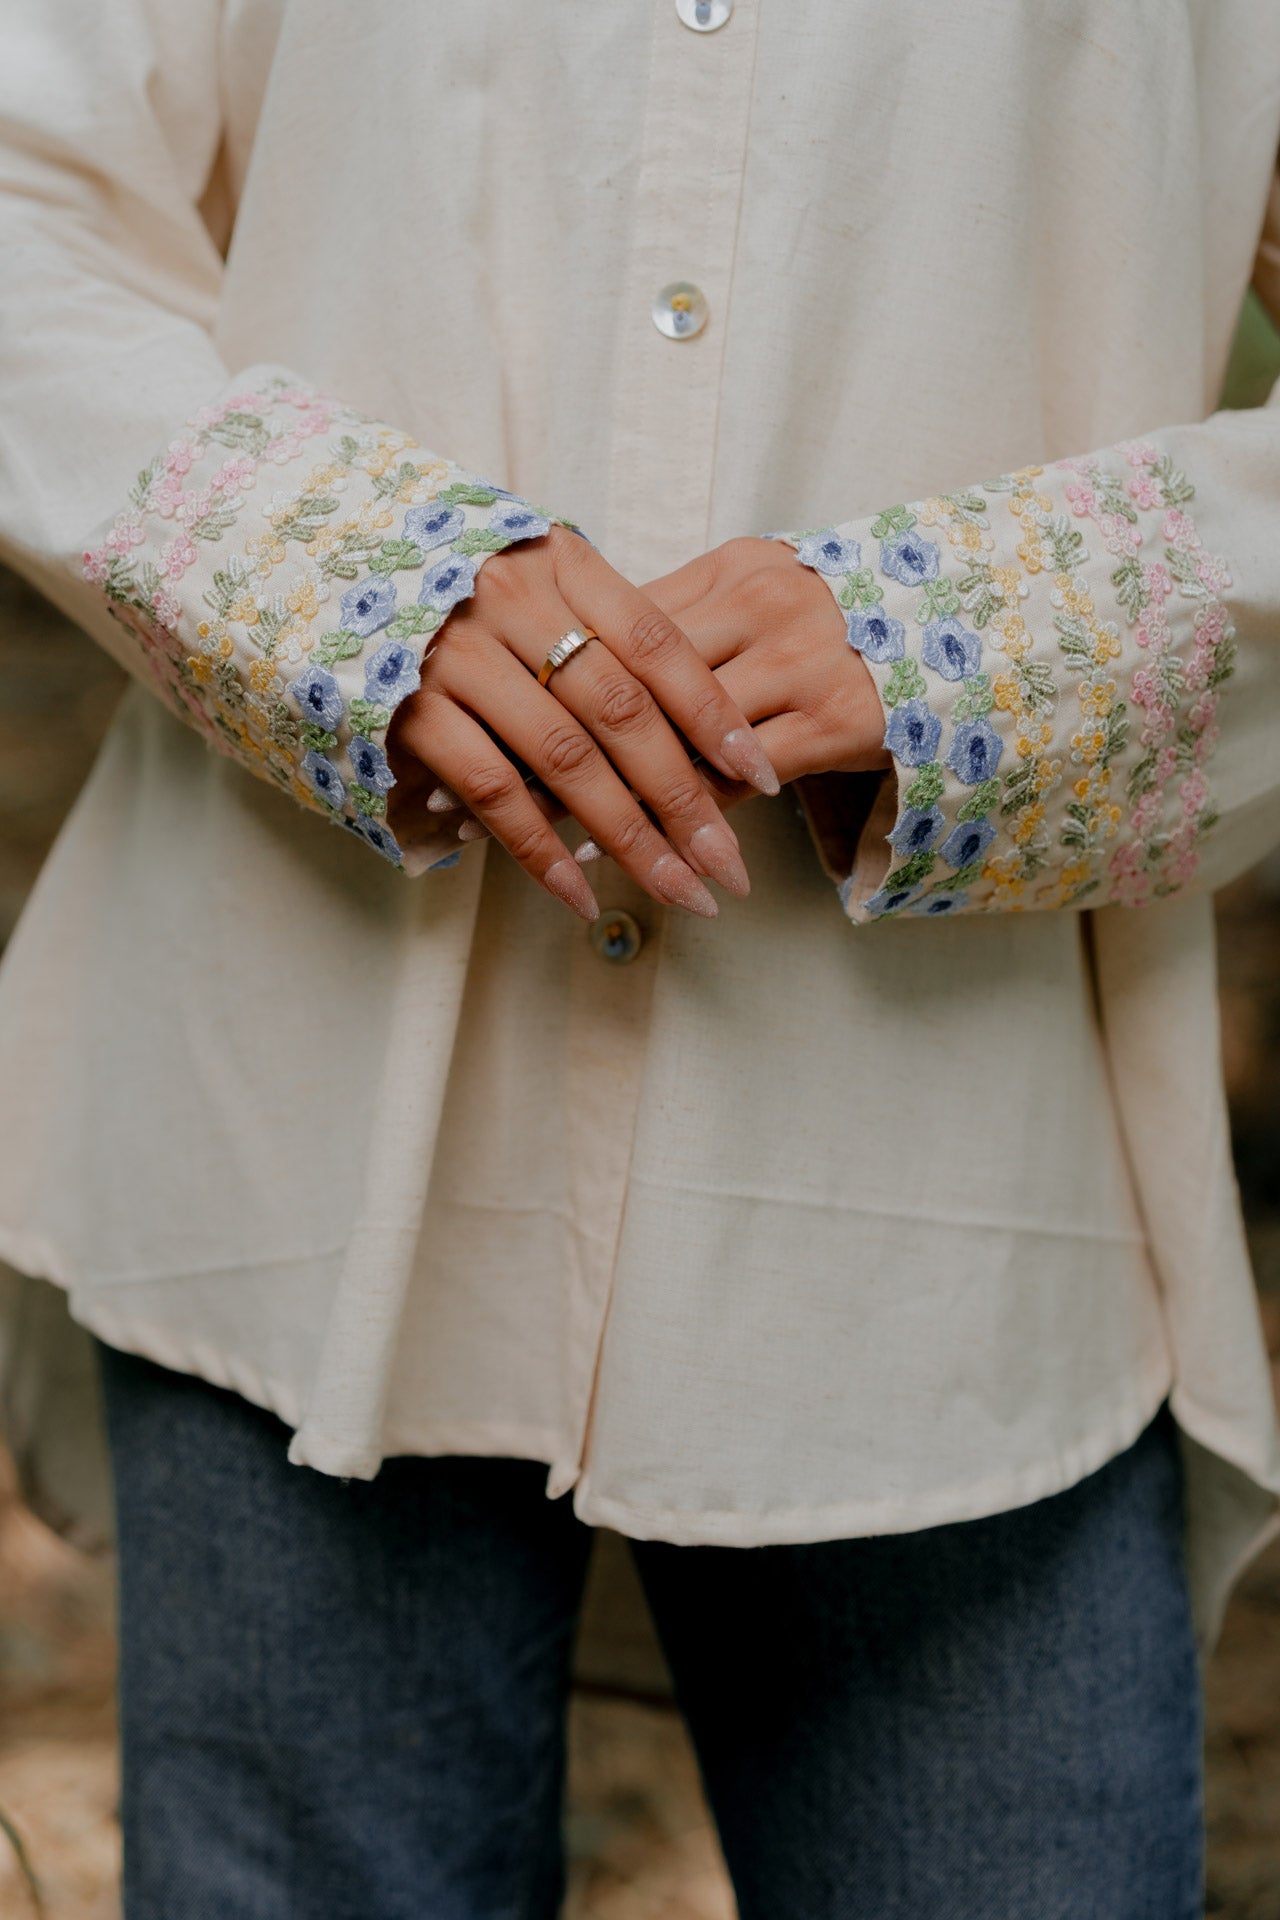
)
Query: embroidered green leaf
[
  {"x": 927, "y": 786},
  {"x": 1130, "y": 588},
  {"x": 860, "y": 590},
  {"x": 981, "y": 800},
  {"x": 968, "y": 503},
  {"x": 937, "y": 599},
  {"x": 1142, "y": 777},
  {"x": 405, "y": 476},
  {"x": 1039, "y": 690},
  {"x": 906, "y": 682},
  {"x": 914, "y": 870},
  {"x": 368, "y": 717},
  {"x": 979, "y": 596},
  {"x": 229, "y": 683},
  {"x": 396, "y": 554},
  {"x": 1183, "y": 568},
  {"x": 468, "y": 493},
  {"x": 1066, "y": 543},
  {"x": 966, "y": 876},
  {"x": 411, "y": 620},
  {"x": 282, "y": 727},
  {"x": 1020, "y": 787},
  {"x": 1175, "y": 488},
  {"x": 1224, "y": 662},
  {"x": 318, "y": 739},
  {"x": 480, "y": 540},
  {"x": 1112, "y": 495},
  {"x": 336, "y": 646},
  {"x": 977, "y": 699},
  {"x": 892, "y": 520},
  {"x": 367, "y": 802}
]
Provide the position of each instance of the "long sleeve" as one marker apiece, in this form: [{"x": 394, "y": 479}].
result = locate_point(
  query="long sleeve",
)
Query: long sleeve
[
  {"x": 271, "y": 562},
  {"x": 1079, "y": 665}
]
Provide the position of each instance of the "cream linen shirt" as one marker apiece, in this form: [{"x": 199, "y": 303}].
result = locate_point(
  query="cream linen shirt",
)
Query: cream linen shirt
[{"x": 789, "y": 1229}]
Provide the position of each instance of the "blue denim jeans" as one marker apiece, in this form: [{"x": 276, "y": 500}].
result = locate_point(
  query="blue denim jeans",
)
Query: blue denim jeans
[{"x": 346, "y": 1701}]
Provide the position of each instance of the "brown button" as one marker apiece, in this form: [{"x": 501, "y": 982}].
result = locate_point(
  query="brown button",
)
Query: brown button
[{"x": 616, "y": 937}]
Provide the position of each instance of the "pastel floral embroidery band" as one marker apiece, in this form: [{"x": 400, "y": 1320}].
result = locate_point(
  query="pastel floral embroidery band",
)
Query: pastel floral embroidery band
[
  {"x": 1051, "y": 722},
  {"x": 285, "y": 565}
]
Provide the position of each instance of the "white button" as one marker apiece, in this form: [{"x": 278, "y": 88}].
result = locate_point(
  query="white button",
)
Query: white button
[
  {"x": 680, "y": 310},
  {"x": 704, "y": 16},
  {"x": 616, "y": 937}
]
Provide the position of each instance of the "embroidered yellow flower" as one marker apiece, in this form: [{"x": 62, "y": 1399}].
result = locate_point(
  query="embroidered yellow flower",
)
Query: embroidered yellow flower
[{"x": 244, "y": 609}]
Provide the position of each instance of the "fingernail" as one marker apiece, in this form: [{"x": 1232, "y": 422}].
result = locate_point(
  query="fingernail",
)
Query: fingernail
[
  {"x": 587, "y": 852},
  {"x": 677, "y": 883},
  {"x": 565, "y": 880},
  {"x": 716, "y": 849},
  {"x": 442, "y": 800},
  {"x": 472, "y": 830},
  {"x": 749, "y": 760}
]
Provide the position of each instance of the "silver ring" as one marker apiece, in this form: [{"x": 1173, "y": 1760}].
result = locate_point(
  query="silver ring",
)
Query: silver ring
[{"x": 564, "y": 649}]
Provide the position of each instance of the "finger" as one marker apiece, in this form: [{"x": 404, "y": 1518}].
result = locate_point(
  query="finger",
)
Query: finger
[
  {"x": 675, "y": 591},
  {"x": 566, "y": 759},
  {"x": 652, "y": 648},
  {"x": 460, "y": 752},
  {"x": 620, "y": 713}
]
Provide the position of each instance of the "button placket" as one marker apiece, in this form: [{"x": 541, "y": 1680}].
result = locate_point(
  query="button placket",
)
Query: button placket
[
  {"x": 688, "y": 187},
  {"x": 704, "y": 16}
]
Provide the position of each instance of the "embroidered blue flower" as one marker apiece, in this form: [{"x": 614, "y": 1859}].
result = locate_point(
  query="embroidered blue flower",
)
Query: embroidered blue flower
[
  {"x": 369, "y": 606},
  {"x": 951, "y": 649},
  {"x": 913, "y": 733},
  {"x": 319, "y": 695},
  {"x": 519, "y": 521},
  {"x": 450, "y": 860},
  {"x": 449, "y": 581},
  {"x": 391, "y": 674},
  {"x": 434, "y": 524},
  {"x": 934, "y": 904},
  {"x": 908, "y": 559},
  {"x": 325, "y": 778},
  {"x": 378, "y": 836},
  {"x": 890, "y": 899},
  {"x": 876, "y": 635},
  {"x": 828, "y": 553},
  {"x": 369, "y": 765},
  {"x": 916, "y": 831},
  {"x": 967, "y": 843},
  {"x": 975, "y": 751}
]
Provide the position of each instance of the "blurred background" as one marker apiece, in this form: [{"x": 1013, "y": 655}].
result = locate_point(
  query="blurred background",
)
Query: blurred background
[{"x": 640, "y": 1841}]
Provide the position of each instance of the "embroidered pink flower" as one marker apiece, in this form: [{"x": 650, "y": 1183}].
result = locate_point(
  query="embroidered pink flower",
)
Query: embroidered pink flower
[
  {"x": 1081, "y": 498},
  {"x": 94, "y": 564},
  {"x": 1195, "y": 793},
  {"x": 1158, "y": 581},
  {"x": 233, "y": 476},
  {"x": 167, "y": 605},
  {"x": 177, "y": 557},
  {"x": 1166, "y": 765},
  {"x": 180, "y": 457},
  {"x": 1179, "y": 530},
  {"x": 1143, "y": 491},
  {"x": 1140, "y": 453},
  {"x": 126, "y": 534},
  {"x": 1146, "y": 813}
]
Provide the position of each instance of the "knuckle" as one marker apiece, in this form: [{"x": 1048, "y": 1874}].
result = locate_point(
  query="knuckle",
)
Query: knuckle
[
  {"x": 707, "y": 711},
  {"x": 770, "y": 593},
  {"x": 566, "y": 751},
  {"x": 524, "y": 842},
  {"x": 650, "y": 636},
  {"x": 629, "y": 835},
  {"x": 619, "y": 704},
  {"x": 679, "y": 800},
  {"x": 488, "y": 784}
]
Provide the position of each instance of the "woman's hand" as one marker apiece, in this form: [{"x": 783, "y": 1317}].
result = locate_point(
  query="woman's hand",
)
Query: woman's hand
[
  {"x": 776, "y": 638},
  {"x": 601, "y": 737}
]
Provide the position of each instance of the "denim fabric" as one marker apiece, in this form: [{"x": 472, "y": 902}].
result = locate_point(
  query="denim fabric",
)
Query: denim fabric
[{"x": 346, "y": 1701}]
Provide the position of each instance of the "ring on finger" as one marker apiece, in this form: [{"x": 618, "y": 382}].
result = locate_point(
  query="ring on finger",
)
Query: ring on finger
[{"x": 564, "y": 649}]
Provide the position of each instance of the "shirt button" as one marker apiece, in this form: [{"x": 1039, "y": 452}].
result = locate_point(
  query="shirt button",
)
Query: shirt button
[
  {"x": 616, "y": 937},
  {"x": 704, "y": 16},
  {"x": 680, "y": 310}
]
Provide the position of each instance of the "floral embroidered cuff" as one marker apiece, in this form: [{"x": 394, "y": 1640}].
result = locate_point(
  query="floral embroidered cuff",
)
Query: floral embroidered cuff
[
  {"x": 284, "y": 566},
  {"x": 1049, "y": 649}
]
